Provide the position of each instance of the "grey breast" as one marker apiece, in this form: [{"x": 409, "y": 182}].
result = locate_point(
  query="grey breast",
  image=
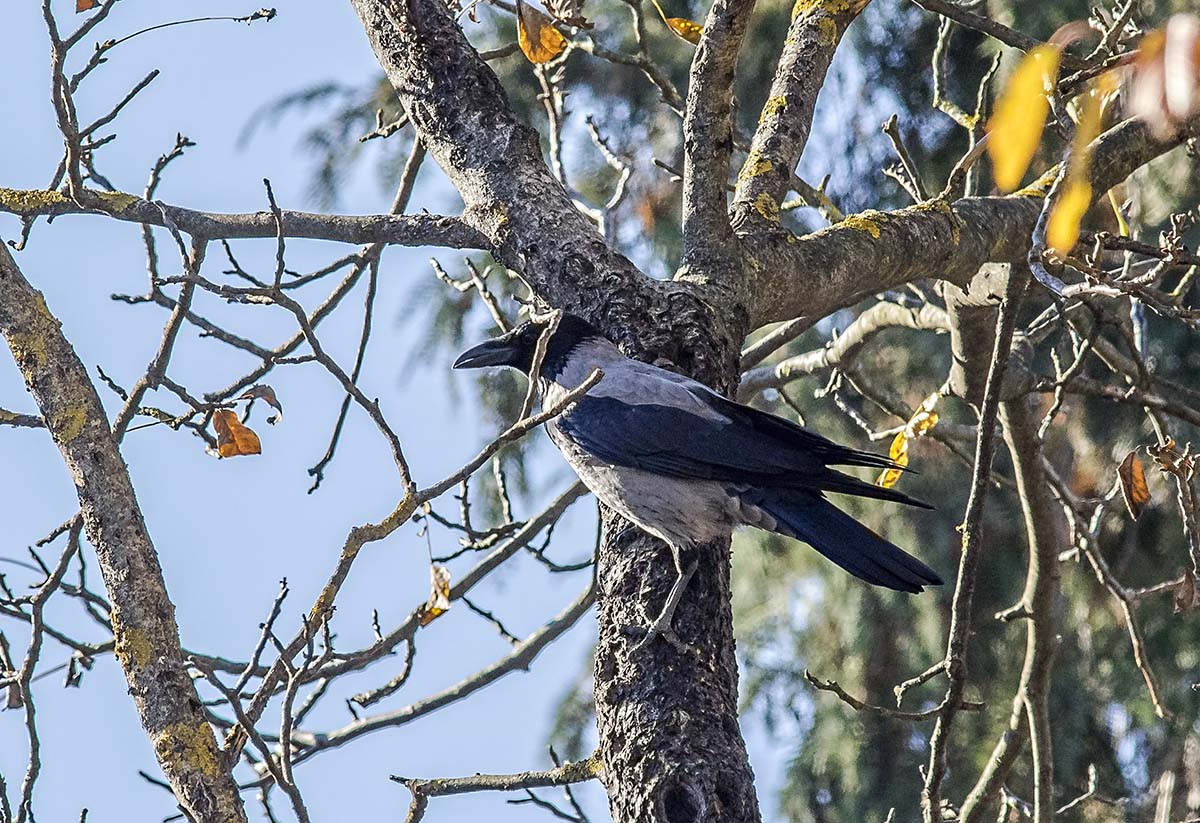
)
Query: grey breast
[{"x": 679, "y": 510}]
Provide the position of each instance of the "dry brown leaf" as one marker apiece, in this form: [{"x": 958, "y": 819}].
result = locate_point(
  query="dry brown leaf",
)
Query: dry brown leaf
[
  {"x": 537, "y": 35},
  {"x": 1187, "y": 597},
  {"x": 233, "y": 439},
  {"x": 1133, "y": 484},
  {"x": 262, "y": 391},
  {"x": 439, "y": 598},
  {"x": 85, "y": 5},
  {"x": 1015, "y": 129},
  {"x": 1171, "y": 460}
]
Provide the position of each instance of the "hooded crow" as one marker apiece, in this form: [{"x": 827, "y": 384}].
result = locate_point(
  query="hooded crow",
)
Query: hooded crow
[{"x": 687, "y": 465}]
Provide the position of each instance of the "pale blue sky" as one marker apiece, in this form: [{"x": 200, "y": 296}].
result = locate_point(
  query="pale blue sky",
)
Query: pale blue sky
[{"x": 226, "y": 531}]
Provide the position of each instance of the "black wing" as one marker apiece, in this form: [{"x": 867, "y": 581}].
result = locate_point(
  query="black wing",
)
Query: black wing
[{"x": 727, "y": 442}]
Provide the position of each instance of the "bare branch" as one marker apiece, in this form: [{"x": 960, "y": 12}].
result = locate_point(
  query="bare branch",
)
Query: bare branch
[
  {"x": 836, "y": 267},
  {"x": 513, "y": 432},
  {"x": 1037, "y": 601},
  {"x": 510, "y": 195},
  {"x": 842, "y": 349},
  {"x": 786, "y": 119},
  {"x": 1006, "y": 35},
  {"x": 562, "y": 775},
  {"x": 885, "y": 711},
  {"x": 955, "y": 664},
  {"x": 708, "y": 139},
  {"x": 518, "y": 660},
  {"x": 18, "y": 420},
  {"x": 405, "y": 230}
]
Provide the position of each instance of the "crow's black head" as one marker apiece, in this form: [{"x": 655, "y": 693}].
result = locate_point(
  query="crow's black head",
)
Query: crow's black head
[{"x": 516, "y": 348}]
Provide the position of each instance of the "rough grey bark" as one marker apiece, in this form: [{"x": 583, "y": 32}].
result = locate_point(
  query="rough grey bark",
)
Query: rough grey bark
[
  {"x": 709, "y": 246},
  {"x": 783, "y": 129},
  {"x": 972, "y": 309},
  {"x": 143, "y": 617},
  {"x": 668, "y": 716}
]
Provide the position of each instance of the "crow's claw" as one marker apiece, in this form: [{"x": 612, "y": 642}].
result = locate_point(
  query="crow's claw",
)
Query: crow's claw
[{"x": 661, "y": 625}]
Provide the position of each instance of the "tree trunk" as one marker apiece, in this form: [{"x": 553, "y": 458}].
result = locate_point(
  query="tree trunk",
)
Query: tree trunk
[
  {"x": 669, "y": 737},
  {"x": 670, "y": 740}
]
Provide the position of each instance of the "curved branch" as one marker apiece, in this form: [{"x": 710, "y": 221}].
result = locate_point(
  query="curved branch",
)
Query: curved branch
[
  {"x": 1005, "y": 34},
  {"x": 461, "y": 112},
  {"x": 1037, "y": 602},
  {"x": 962, "y": 606},
  {"x": 883, "y": 711},
  {"x": 844, "y": 348}
]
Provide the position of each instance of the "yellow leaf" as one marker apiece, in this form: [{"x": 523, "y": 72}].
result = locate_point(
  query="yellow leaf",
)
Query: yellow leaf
[
  {"x": 888, "y": 478},
  {"x": 1122, "y": 224},
  {"x": 899, "y": 454},
  {"x": 899, "y": 448},
  {"x": 1016, "y": 127},
  {"x": 439, "y": 598},
  {"x": 1062, "y": 229},
  {"x": 1062, "y": 232},
  {"x": 537, "y": 36},
  {"x": 1088, "y": 126},
  {"x": 689, "y": 30},
  {"x": 1133, "y": 484},
  {"x": 923, "y": 419},
  {"x": 233, "y": 439}
]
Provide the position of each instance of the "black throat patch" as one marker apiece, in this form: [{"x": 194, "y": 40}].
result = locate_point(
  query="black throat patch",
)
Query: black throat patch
[{"x": 571, "y": 332}]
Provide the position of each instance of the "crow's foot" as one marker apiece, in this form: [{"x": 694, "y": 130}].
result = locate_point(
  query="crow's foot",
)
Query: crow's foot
[{"x": 661, "y": 625}]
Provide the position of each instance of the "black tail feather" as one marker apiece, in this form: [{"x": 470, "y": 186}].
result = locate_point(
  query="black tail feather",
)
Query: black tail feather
[
  {"x": 835, "y": 481},
  {"x": 809, "y": 517}
]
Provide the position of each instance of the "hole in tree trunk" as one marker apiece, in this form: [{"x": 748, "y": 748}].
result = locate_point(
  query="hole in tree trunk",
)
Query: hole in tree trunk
[{"x": 681, "y": 803}]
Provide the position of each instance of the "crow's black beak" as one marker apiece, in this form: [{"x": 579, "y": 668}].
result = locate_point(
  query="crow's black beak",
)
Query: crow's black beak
[{"x": 499, "y": 352}]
